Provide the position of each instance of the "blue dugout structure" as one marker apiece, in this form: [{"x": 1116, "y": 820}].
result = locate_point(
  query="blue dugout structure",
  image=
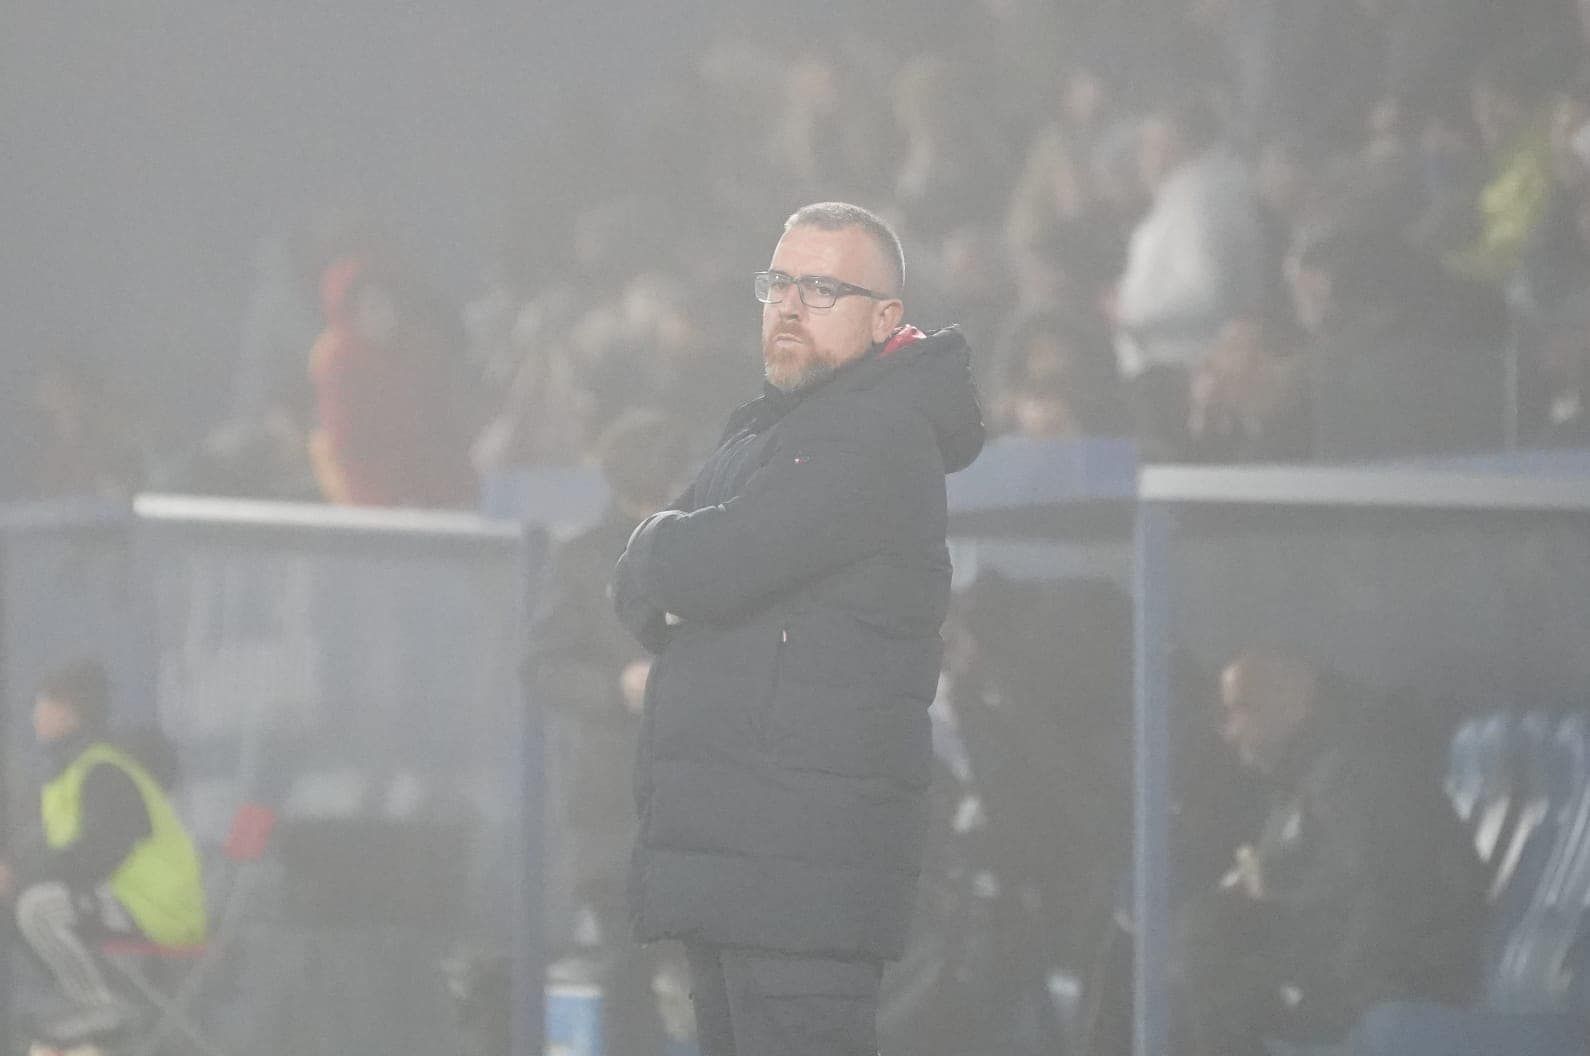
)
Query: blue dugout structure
[
  {"x": 1463, "y": 582},
  {"x": 1466, "y": 583},
  {"x": 359, "y": 672}
]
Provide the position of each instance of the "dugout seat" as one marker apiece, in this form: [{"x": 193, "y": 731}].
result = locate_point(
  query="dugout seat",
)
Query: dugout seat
[
  {"x": 169, "y": 979},
  {"x": 1522, "y": 783}
]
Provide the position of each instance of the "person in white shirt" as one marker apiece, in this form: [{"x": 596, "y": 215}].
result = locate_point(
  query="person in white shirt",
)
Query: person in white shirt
[{"x": 1196, "y": 260}]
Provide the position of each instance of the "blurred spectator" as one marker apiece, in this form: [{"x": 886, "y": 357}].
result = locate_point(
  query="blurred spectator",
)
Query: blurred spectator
[
  {"x": 280, "y": 322},
  {"x": 591, "y": 675},
  {"x": 1247, "y": 399},
  {"x": 658, "y": 352},
  {"x": 1075, "y": 202},
  {"x": 1566, "y": 363},
  {"x": 1057, "y": 379},
  {"x": 1435, "y": 45},
  {"x": 80, "y": 441},
  {"x": 1194, "y": 264},
  {"x": 1512, "y": 109},
  {"x": 1290, "y": 177},
  {"x": 1362, "y": 886},
  {"x": 964, "y": 281},
  {"x": 1194, "y": 261},
  {"x": 1305, "y": 67},
  {"x": 1294, "y": 177},
  {"x": 1556, "y": 261},
  {"x": 1431, "y": 48},
  {"x": 1116, "y": 174},
  {"x": 820, "y": 140},
  {"x": 951, "y": 156},
  {"x": 1055, "y": 187},
  {"x": 1012, "y": 49},
  {"x": 266, "y": 457},
  {"x": 1446, "y": 168},
  {"x": 1403, "y": 359},
  {"x": 545, "y": 416},
  {"x": 284, "y": 311},
  {"x": 386, "y": 395}
]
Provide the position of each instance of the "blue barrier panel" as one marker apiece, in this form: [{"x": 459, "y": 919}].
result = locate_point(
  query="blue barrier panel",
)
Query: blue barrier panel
[
  {"x": 562, "y": 498},
  {"x": 1076, "y": 489},
  {"x": 1045, "y": 509},
  {"x": 357, "y": 671}
]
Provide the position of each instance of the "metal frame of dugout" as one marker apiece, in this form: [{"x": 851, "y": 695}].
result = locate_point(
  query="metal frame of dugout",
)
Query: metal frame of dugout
[
  {"x": 1463, "y": 577},
  {"x": 1467, "y": 582},
  {"x": 338, "y": 664}
]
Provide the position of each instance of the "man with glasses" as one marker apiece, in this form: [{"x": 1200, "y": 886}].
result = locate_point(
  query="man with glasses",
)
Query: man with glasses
[{"x": 793, "y": 597}]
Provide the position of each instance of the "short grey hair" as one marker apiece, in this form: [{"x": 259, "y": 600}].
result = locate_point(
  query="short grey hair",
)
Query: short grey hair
[{"x": 838, "y": 216}]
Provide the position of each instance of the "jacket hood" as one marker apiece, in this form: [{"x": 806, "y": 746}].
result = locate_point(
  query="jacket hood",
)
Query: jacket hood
[
  {"x": 934, "y": 372},
  {"x": 931, "y": 371}
]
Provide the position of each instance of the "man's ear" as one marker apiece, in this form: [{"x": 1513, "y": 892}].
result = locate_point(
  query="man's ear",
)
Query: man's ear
[{"x": 886, "y": 320}]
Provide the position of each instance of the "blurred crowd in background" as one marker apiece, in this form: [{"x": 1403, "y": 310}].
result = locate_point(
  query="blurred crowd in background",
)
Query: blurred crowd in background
[{"x": 1227, "y": 229}]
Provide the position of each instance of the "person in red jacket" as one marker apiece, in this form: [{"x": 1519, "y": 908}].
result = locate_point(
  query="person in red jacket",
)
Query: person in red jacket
[{"x": 388, "y": 426}]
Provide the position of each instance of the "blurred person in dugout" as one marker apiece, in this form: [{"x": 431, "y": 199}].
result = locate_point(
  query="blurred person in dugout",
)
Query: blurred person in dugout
[
  {"x": 110, "y": 859},
  {"x": 793, "y": 598},
  {"x": 1362, "y": 885},
  {"x": 1566, "y": 368},
  {"x": 392, "y": 430},
  {"x": 592, "y": 675}
]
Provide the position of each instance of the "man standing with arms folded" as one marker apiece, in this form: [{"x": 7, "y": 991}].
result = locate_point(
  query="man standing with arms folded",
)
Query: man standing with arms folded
[{"x": 794, "y": 599}]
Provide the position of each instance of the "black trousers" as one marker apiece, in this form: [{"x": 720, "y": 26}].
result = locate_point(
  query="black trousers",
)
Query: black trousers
[{"x": 761, "y": 1003}]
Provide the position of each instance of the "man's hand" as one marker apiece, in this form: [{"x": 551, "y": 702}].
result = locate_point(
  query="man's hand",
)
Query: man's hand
[
  {"x": 633, "y": 682},
  {"x": 640, "y": 617}
]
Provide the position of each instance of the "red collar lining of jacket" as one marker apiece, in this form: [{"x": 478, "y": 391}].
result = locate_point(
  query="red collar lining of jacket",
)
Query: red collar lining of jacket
[{"x": 902, "y": 336}]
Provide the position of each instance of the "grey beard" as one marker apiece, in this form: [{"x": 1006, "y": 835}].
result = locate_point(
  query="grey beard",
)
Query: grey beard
[{"x": 811, "y": 375}]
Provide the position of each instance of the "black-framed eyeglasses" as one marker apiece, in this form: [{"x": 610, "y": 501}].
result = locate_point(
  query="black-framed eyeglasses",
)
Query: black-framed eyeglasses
[{"x": 816, "y": 291}]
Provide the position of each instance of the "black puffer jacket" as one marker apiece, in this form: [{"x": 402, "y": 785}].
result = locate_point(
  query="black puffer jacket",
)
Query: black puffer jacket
[{"x": 786, "y": 748}]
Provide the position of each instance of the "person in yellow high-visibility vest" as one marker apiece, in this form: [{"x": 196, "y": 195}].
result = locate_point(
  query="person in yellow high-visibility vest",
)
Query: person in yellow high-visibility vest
[{"x": 112, "y": 856}]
